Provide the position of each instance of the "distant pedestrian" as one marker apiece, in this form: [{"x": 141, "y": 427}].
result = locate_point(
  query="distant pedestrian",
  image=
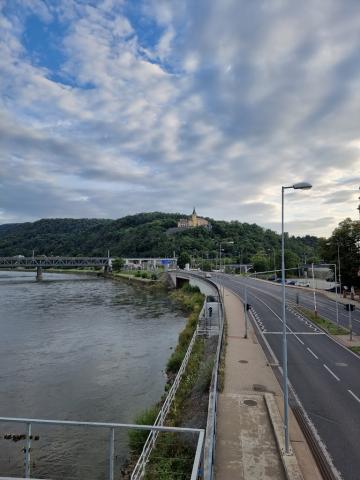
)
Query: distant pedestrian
[{"x": 210, "y": 311}]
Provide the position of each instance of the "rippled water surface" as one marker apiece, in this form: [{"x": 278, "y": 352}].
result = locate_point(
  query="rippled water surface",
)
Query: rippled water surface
[{"x": 77, "y": 347}]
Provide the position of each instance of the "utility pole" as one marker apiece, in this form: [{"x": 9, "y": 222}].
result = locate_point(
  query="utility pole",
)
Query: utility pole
[
  {"x": 313, "y": 279},
  {"x": 246, "y": 313}
]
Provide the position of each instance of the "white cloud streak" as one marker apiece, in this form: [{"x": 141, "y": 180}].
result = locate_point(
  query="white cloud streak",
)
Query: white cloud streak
[{"x": 222, "y": 106}]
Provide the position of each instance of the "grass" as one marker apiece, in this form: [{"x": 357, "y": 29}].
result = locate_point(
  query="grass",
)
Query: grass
[
  {"x": 174, "y": 454},
  {"x": 192, "y": 300},
  {"x": 221, "y": 377},
  {"x": 137, "y": 438},
  {"x": 323, "y": 323},
  {"x": 355, "y": 349}
]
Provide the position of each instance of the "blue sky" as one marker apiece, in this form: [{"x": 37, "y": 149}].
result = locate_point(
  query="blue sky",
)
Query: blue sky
[{"x": 109, "y": 108}]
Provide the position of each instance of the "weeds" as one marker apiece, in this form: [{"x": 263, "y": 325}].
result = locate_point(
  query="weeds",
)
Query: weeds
[{"x": 323, "y": 323}]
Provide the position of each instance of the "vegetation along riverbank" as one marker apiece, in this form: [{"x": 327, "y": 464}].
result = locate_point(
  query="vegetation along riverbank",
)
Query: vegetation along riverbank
[{"x": 173, "y": 454}]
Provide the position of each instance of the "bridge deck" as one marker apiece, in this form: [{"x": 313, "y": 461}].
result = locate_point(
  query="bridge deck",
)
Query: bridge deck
[{"x": 48, "y": 262}]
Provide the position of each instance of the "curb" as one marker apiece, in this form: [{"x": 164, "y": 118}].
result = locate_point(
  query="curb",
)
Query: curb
[{"x": 289, "y": 461}]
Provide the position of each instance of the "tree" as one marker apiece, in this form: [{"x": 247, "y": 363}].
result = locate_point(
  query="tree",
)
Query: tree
[
  {"x": 291, "y": 260},
  {"x": 260, "y": 262},
  {"x": 183, "y": 259},
  {"x": 117, "y": 264},
  {"x": 344, "y": 240},
  {"x": 206, "y": 266}
]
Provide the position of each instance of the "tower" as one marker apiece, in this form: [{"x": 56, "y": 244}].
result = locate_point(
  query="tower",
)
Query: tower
[{"x": 194, "y": 218}]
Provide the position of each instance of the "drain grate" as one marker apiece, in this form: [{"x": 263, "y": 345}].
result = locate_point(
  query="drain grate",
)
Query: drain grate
[
  {"x": 259, "y": 388},
  {"x": 243, "y": 361},
  {"x": 250, "y": 403}
]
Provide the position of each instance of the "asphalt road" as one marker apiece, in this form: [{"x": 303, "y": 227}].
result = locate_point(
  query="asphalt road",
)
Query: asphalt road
[
  {"x": 325, "y": 376},
  {"x": 326, "y": 307}
]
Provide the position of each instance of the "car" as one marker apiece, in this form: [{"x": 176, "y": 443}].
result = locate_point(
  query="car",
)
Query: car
[{"x": 208, "y": 275}]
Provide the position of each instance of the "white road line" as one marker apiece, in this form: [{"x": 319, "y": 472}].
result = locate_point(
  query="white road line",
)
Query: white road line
[
  {"x": 332, "y": 373},
  {"x": 296, "y": 333},
  {"x": 312, "y": 353},
  {"x": 355, "y": 396}
]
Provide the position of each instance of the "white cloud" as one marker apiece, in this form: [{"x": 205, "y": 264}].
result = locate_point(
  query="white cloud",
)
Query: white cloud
[{"x": 219, "y": 109}]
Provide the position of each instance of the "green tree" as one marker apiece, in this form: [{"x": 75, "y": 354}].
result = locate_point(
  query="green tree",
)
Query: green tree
[
  {"x": 183, "y": 259},
  {"x": 260, "y": 262},
  {"x": 117, "y": 264},
  {"x": 344, "y": 240},
  {"x": 292, "y": 260},
  {"x": 206, "y": 266}
]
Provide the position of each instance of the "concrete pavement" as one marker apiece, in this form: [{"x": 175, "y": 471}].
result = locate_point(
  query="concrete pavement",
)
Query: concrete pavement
[{"x": 249, "y": 426}]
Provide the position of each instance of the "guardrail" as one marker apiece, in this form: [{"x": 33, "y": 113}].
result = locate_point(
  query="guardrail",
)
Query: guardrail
[
  {"x": 29, "y": 422},
  {"x": 210, "y": 435},
  {"x": 139, "y": 469}
]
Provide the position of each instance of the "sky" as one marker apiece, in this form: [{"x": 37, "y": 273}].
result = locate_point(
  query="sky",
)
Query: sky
[{"x": 115, "y": 107}]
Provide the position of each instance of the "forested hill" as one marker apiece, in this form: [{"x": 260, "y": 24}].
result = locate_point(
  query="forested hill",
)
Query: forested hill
[{"x": 144, "y": 234}]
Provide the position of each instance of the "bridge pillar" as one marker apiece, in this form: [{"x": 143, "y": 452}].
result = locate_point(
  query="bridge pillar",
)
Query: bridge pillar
[{"x": 39, "y": 274}]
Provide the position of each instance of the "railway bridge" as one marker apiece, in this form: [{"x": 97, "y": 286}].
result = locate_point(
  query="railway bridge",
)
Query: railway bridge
[{"x": 41, "y": 262}]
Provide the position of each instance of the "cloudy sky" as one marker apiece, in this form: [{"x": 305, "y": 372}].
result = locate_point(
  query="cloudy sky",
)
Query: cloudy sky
[{"x": 114, "y": 107}]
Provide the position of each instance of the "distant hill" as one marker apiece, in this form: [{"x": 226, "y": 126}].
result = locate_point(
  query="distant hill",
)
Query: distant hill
[{"x": 144, "y": 234}]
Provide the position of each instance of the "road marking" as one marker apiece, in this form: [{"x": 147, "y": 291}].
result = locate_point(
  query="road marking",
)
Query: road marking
[
  {"x": 312, "y": 353},
  {"x": 355, "y": 396},
  {"x": 297, "y": 333},
  {"x": 332, "y": 373}
]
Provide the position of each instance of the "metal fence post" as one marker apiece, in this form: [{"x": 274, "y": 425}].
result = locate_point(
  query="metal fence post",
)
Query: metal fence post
[
  {"x": 111, "y": 453},
  {"x": 27, "y": 451}
]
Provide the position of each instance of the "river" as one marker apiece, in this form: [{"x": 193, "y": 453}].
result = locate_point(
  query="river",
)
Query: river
[{"x": 77, "y": 347}]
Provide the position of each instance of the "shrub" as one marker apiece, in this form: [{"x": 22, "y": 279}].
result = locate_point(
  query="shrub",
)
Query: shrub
[
  {"x": 137, "y": 438},
  {"x": 175, "y": 361}
]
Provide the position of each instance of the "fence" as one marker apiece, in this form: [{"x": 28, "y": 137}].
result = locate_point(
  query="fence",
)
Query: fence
[
  {"x": 111, "y": 427},
  {"x": 210, "y": 437},
  {"x": 140, "y": 466}
]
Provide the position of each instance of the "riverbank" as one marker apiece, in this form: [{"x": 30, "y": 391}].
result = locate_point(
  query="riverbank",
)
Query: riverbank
[
  {"x": 98, "y": 349},
  {"x": 189, "y": 407}
]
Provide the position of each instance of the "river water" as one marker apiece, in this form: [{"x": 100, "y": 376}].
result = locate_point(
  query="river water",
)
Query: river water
[{"x": 77, "y": 347}]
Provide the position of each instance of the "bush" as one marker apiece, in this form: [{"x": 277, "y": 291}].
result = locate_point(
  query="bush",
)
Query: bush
[
  {"x": 175, "y": 361},
  {"x": 137, "y": 438},
  {"x": 190, "y": 288}
]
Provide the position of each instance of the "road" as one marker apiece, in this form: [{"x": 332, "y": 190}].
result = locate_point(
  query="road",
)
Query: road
[
  {"x": 324, "y": 375},
  {"x": 326, "y": 307}
]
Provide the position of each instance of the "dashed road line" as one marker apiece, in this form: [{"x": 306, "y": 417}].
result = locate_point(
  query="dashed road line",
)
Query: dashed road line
[
  {"x": 355, "y": 396},
  {"x": 295, "y": 333},
  {"x": 331, "y": 372},
  {"x": 312, "y": 353}
]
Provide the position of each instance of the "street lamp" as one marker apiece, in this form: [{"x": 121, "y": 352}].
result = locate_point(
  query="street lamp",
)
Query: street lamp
[
  {"x": 227, "y": 242},
  {"x": 296, "y": 186}
]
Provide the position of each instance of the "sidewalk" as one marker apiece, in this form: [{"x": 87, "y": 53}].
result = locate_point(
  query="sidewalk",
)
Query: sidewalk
[{"x": 247, "y": 445}]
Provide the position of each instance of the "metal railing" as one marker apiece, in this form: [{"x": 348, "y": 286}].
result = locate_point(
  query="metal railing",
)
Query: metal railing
[
  {"x": 139, "y": 469},
  {"x": 29, "y": 422},
  {"x": 33, "y": 262},
  {"x": 210, "y": 435}
]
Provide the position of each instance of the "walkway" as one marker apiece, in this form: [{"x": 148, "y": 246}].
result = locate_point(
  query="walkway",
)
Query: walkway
[{"x": 246, "y": 446}]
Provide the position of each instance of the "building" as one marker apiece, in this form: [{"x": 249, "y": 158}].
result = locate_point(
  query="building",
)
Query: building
[{"x": 193, "y": 221}]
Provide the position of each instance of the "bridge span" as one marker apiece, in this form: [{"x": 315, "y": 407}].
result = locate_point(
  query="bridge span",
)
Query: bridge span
[{"x": 41, "y": 262}]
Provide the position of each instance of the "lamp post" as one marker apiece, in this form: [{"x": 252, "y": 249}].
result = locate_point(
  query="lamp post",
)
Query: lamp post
[
  {"x": 296, "y": 186},
  {"x": 228, "y": 242},
  {"x": 339, "y": 272}
]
